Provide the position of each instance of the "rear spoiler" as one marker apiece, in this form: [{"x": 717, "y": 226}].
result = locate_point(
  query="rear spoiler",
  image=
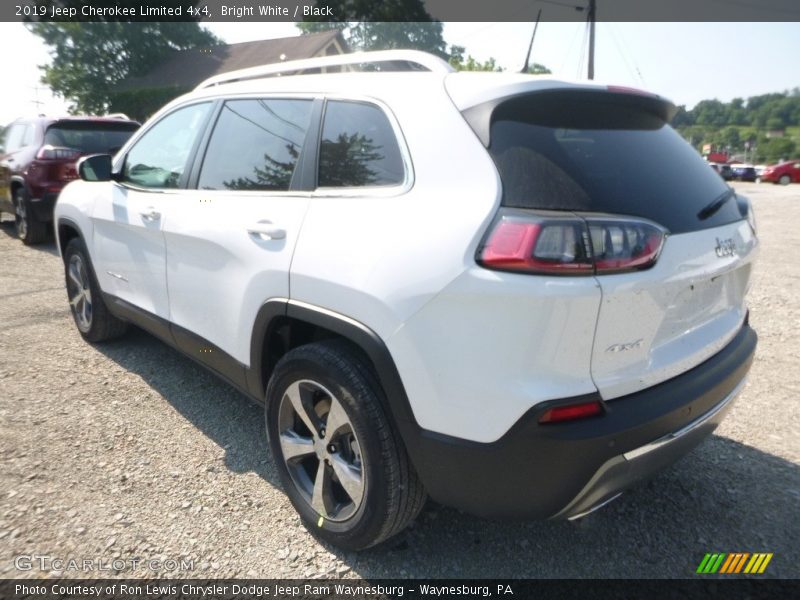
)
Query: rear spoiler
[{"x": 481, "y": 116}]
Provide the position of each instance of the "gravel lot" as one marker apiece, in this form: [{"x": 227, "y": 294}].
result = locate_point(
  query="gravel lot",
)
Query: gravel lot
[{"x": 129, "y": 450}]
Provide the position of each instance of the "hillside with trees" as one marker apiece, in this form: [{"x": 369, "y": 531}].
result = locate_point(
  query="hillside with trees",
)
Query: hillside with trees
[{"x": 763, "y": 128}]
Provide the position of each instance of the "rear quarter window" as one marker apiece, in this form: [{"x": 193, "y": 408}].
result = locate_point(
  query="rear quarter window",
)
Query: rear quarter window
[{"x": 358, "y": 147}]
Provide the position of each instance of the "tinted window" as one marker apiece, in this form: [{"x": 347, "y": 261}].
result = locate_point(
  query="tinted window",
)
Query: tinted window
[
  {"x": 159, "y": 157},
  {"x": 255, "y": 145},
  {"x": 599, "y": 153},
  {"x": 358, "y": 147},
  {"x": 89, "y": 137}
]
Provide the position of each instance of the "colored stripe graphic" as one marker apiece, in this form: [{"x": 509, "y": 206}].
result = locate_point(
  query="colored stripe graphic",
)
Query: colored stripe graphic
[
  {"x": 734, "y": 562},
  {"x": 727, "y": 565},
  {"x": 703, "y": 563},
  {"x": 765, "y": 563}
]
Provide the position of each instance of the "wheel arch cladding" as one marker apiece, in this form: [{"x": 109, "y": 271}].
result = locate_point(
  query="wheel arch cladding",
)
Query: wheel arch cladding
[{"x": 282, "y": 325}]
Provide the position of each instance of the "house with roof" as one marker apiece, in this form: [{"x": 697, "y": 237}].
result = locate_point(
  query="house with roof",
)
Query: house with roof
[{"x": 140, "y": 96}]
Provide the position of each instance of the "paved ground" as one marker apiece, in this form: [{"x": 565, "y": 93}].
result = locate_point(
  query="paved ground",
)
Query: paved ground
[{"x": 128, "y": 450}]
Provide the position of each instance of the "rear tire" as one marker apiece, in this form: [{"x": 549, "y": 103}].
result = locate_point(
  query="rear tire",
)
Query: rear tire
[
  {"x": 785, "y": 180},
  {"x": 341, "y": 463},
  {"x": 92, "y": 318},
  {"x": 29, "y": 229}
]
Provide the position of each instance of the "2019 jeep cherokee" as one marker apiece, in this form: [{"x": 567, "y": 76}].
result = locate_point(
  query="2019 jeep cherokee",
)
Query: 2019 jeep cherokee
[{"x": 514, "y": 294}]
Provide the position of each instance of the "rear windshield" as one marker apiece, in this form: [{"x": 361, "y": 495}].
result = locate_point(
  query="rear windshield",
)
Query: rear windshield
[
  {"x": 90, "y": 137},
  {"x": 600, "y": 152}
]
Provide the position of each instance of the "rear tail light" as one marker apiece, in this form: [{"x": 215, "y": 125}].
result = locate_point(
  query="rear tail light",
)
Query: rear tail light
[
  {"x": 556, "y": 245},
  {"x": 53, "y": 153},
  {"x": 572, "y": 412}
]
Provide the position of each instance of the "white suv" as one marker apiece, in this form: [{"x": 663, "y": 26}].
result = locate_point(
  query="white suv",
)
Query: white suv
[{"x": 512, "y": 294}]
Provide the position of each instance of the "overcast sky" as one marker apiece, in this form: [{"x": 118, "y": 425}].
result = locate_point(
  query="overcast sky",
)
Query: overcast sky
[{"x": 686, "y": 62}]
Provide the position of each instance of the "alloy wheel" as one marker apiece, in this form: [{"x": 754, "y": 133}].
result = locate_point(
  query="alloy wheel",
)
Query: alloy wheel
[
  {"x": 321, "y": 450},
  {"x": 21, "y": 217},
  {"x": 80, "y": 294}
]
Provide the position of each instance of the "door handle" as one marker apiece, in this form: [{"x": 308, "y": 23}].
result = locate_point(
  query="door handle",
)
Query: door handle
[
  {"x": 266, "y": 230},
  {"x": 150, "y": 214}
]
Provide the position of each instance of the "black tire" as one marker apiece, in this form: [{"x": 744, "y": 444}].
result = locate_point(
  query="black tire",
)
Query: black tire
[
  {"x": 391, "y": 494},
  {"x": 785, "y": 180},
  {"x": 29, "y": 229},
  {"x": 92, "y": 318}
]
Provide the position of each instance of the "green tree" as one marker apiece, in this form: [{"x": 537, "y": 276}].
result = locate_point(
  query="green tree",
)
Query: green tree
[
  {"x": 90, "y": 59},
  {"x": 461, "y": 63},
  {"x": 775, "y": 149},
  {"x": 392, "y": 24}
]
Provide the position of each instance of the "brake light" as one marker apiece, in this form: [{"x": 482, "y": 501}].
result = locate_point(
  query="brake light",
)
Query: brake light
[
  {"x": 536, "y": 247},
  {"x": 52, "y": 153},
  {"x": 572, "y": 412},
  {"x": 530, "y": 243}
]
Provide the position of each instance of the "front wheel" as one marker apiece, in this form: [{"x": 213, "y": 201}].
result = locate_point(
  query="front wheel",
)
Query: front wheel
[
  {"x": 340, "y": 461},
  {"x": 95, "y": 323},
  {"x": 785, "y": 180}
]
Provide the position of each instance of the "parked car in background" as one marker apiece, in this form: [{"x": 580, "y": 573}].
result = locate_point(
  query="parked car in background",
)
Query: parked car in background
[
  {"x": 783, "y": 173},
  {"x": 744, "y": 172},
  {"x": 726, "y": 172},
  {"x": 38, "y": 157}
]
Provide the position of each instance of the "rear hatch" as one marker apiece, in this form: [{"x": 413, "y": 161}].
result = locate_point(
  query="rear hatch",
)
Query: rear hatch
[
  {"x": 606, "y": 157},
  {"x": 65, "y": 141}
]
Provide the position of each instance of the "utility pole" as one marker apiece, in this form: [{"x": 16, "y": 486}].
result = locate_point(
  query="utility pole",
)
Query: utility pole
[
  {"x": 591, "y": 18},
  {"x": 530, "y": 46}
]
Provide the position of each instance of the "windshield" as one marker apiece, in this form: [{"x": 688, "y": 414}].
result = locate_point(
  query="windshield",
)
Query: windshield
[
  {"x": 90, "y": 137},
  {"x": 597, "y": 152}
]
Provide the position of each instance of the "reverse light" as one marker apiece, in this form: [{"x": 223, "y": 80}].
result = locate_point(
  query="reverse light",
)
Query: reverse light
[
  {"x": 572, "y": 412},
  {"x": 53, "y": 153},
  {"x": 624, "y": 245},
  {"x": 538, "y": 244}
]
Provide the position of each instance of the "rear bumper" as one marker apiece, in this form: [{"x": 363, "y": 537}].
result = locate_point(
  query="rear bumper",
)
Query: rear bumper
[
  {"x": 565, "y": 470},
  {"x": 43, "y": 206}
]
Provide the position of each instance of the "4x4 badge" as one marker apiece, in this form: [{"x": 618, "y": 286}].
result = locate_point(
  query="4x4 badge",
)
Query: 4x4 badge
[{"x": 624, "y": 347}]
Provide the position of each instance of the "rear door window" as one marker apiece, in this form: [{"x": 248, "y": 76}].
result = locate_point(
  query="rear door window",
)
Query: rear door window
[
  {"x": 256, "y": 145},
  {"x": 596, "y": 152},
  {"x": 358, "y": 147}
]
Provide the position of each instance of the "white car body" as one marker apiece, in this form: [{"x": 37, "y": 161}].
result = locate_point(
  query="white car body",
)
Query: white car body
[{"x": 475, "y": 349}]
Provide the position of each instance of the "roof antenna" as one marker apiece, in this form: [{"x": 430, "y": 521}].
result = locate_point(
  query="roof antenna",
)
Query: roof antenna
[{"x": 530, "y": 46}]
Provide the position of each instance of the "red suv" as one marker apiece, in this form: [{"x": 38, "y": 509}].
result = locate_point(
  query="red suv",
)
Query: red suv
[
  {"x": 37, "y": 159},
  {"x": 783, "y": 173}
]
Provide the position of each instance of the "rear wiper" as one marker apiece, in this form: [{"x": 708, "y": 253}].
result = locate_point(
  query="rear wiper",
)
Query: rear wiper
[{"x": 716, "y": 204}]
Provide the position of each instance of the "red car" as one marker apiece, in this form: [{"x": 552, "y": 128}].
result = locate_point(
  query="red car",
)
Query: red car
[
  {"x": 37, "y": 159},
  {"x": 783, "y": 173}
]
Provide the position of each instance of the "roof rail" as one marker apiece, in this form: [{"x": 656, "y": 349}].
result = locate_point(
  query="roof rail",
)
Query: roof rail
[{"x": 427, "y": 61}]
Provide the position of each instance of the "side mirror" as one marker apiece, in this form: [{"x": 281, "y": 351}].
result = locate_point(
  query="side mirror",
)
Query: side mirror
[{"x": 95, "y": 168}]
